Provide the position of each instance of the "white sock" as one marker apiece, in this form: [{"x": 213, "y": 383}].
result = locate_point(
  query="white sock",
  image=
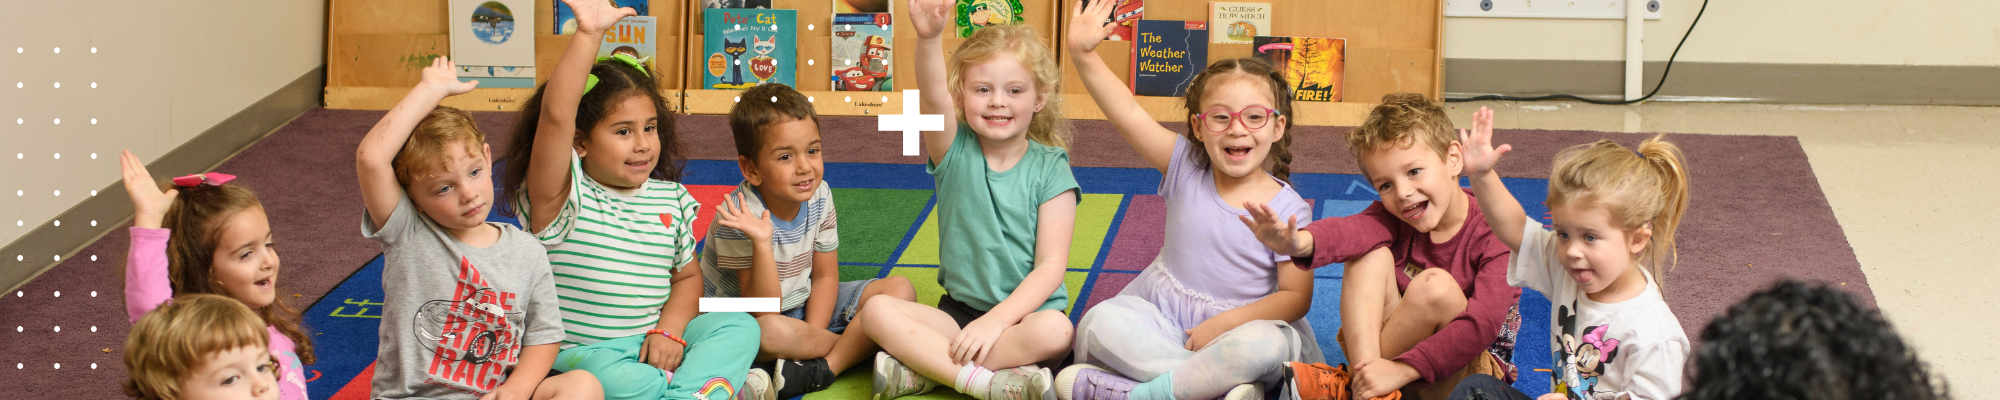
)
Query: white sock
[{"x": 973, "y": 380}]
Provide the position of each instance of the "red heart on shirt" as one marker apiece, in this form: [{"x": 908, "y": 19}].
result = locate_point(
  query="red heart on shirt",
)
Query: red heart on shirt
[{"x": 667, "y": 220}]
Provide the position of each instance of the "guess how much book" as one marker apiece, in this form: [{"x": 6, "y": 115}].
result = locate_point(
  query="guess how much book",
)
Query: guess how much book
[
  {"x": 975, "y": 14},
  {"x": 1238, "y": 22},
  {"x": 748, "y": 47},
  {"x": 861, "y": 57},
  {"x": 1167, "y": 55},
  {"x": 635, "y": 36},
  {"x": 566, "y": 18},
  {"x": 1315, "y": 67},
  {"x": 486, "y": 46}
]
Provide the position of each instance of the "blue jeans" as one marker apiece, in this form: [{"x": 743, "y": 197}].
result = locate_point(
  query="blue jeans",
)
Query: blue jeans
[{"x": 845, "y": 304}]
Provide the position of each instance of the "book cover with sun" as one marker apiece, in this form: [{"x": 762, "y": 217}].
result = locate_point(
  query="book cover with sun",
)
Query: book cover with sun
[{"x": 747, "y": 47}]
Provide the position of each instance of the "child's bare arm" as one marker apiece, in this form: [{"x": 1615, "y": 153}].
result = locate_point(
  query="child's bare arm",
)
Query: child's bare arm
[
  {"x": 825, "y": 289},
  {"x": 1503, "y": 214},
  {"x": 548, "y": 167},
  {"x": 930, "y": 17},
  {"x": 1154, "y": 143},
  {"x": 682, "y": 306},
  {"x": 534, "y": 365},
  {"x": 761, "y": 279},
  {"x": 373, "y": 159}
]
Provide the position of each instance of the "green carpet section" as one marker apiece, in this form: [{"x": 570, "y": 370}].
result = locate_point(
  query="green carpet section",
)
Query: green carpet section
[
  {"x": 858, "y": 272},
  {"x": 1093, "y": 221},
  {"x": 925, "y": 281},
  {"x": 923, "y": 249},
  {"x": 873, "y": 221}
]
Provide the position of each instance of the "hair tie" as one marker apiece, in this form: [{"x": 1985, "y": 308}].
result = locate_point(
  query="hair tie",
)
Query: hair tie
[
  {"x": 211, "y": 179},
  {"x": 636, "y": 63}
]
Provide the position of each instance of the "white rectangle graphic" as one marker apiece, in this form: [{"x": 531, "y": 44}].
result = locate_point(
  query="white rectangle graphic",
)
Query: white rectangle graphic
[{"x": 739, "y": 304}]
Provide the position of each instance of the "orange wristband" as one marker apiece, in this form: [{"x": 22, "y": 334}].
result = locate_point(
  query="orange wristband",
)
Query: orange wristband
[{"x": 669, "y": 336}]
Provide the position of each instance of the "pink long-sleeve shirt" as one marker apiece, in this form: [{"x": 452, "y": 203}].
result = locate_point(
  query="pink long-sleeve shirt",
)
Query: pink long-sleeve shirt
[
  {"x": 146, "y": 287},
  {"x": 1473, "y": 257}
]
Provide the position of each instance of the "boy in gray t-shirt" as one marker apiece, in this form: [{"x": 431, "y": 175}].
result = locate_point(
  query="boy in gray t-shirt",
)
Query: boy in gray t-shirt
[{"x": 471, "y": 305}]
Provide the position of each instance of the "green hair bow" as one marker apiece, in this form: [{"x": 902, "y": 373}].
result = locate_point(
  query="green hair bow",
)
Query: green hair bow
[{"x": 628, "y": 59}]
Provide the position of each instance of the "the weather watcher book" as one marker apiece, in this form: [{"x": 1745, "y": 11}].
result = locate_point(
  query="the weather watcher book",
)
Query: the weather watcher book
[
  {"x": 1315, "y": 67},
  {"x": 747, "y": 47},
  {"x": 1167, "y": 55}
]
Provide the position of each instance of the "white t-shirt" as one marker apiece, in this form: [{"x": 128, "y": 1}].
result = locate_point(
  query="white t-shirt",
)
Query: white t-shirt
[{"x": 1632, "y": 349}]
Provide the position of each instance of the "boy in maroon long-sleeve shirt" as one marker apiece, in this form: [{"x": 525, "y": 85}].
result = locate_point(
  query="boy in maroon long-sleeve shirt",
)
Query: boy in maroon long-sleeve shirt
[{"x": 1425, "y": 300}]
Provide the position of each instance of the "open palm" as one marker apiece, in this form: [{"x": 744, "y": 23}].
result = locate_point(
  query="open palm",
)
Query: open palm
[
  {"x": 929, "y": 17},
  {"x": 595, "y": 16},
  {"x": 1480, "y": 155},
  {"x": 1088, "y": 28},
  {"x": 443, "y": 74}
]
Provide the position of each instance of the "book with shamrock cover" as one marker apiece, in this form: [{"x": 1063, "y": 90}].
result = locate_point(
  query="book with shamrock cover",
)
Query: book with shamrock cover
[
  {"x": 975, "y": 14},
  {"x": 861, "y": 52},
  {"x": 1315, "y": 67},
  {"x": 486, "y": 46},
  {"x": 635, "y": 36},
  {"x": 747, "y": 47},
  {"x": 1238, "y": 22},
  {"x": 566, "y": 18},
  {"x": 1167, "y": 55}
]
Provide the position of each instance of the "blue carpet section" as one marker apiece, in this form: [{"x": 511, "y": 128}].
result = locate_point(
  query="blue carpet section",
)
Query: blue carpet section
[{"x": 347, "y": 319}]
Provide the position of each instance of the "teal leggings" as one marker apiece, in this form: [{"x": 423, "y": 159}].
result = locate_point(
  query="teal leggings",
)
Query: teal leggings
[{"x": 720, "y": 348}]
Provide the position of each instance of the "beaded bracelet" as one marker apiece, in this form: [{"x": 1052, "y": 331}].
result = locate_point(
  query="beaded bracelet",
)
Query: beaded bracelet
[{"x": 669, "y": 336}]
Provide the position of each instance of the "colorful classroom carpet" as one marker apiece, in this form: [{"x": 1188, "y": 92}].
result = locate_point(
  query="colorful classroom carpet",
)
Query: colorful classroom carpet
[
  {"x": 888, "y": 229},
  {"x": 1758, "y": 215}
]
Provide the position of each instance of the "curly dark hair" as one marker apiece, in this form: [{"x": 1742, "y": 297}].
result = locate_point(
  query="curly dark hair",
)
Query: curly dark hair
[
  {"x": 617, "y": 81},
  {"x": 1799, "y": 341}
]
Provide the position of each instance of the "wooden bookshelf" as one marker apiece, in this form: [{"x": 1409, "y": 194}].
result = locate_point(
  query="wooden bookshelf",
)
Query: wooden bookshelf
[{"x": 377, "y": 48}]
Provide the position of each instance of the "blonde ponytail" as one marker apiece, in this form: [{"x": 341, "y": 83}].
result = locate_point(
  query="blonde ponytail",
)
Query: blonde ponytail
[{"x": 1637, "y": 189}]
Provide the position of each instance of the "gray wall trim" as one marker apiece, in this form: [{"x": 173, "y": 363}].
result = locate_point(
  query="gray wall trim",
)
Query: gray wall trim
[
  {"x": 1777, "y": 83},
  {"x": 203, "y": 152}
]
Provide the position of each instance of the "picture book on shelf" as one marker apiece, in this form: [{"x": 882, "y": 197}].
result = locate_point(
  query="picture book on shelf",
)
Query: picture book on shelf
[
  {"x": 860, "y": 6},
  {"x": 861, "y": 57},
  {"x": 748, "y": 47},
  {"x": 566, "y": 18},
  {"x": 1238, "y": 22},
  {"x": 486, "y": 46},
  {"x": 1167, "y": 55},
  {"x": 635, "y": 36},
  {"x": 975, "y": 14},
  {"x": 1315, "y": 67},
  {"x": 758, "y": 4}
]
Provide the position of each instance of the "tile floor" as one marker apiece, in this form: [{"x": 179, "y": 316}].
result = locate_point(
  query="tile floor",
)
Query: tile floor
[{"x": 1911, "y": 186}]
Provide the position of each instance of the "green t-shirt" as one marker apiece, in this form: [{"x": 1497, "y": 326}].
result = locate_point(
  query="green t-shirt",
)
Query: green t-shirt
[{"x": 986, "y": 219}]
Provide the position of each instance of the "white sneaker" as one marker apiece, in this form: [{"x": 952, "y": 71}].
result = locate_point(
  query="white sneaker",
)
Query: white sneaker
[
  {"x": 757, "y": 386},
  {"x": 893, "y": 380},
  {"x": 1021, "y": 383},
  {"x": 1247, "y": 391}
]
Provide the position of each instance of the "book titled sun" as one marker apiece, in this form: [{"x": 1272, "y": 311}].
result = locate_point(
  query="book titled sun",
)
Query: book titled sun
[
  {"x": 1238, "y": 22},
  {"x": 1315, "y": 67}
]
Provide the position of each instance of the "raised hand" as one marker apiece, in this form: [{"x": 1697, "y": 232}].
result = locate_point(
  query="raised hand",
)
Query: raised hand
[
  {"x": 1088, "y": 27},
  {"x": 1480, "y": 155},
  {"x": 930, "y": 17},
  {"x": 1280, "y": 236},
  {"x": 442, "y": 75},
  {"x": 734, "y": 216},
  {"x": 593, "y": 17},
  {"x": 148, "y": 202}
]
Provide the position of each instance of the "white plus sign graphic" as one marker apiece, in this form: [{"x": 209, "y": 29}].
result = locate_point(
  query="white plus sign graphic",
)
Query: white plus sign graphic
[{"x": 910, "y": 122}]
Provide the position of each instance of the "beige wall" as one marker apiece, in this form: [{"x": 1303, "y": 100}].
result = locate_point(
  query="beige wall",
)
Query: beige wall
[
  {"x": 1874, "y": 32},
  {"x": 166, "y": 71}
]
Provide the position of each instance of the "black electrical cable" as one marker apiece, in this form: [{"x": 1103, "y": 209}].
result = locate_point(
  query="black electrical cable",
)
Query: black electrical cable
[{"x": 1649, "y": 95}]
